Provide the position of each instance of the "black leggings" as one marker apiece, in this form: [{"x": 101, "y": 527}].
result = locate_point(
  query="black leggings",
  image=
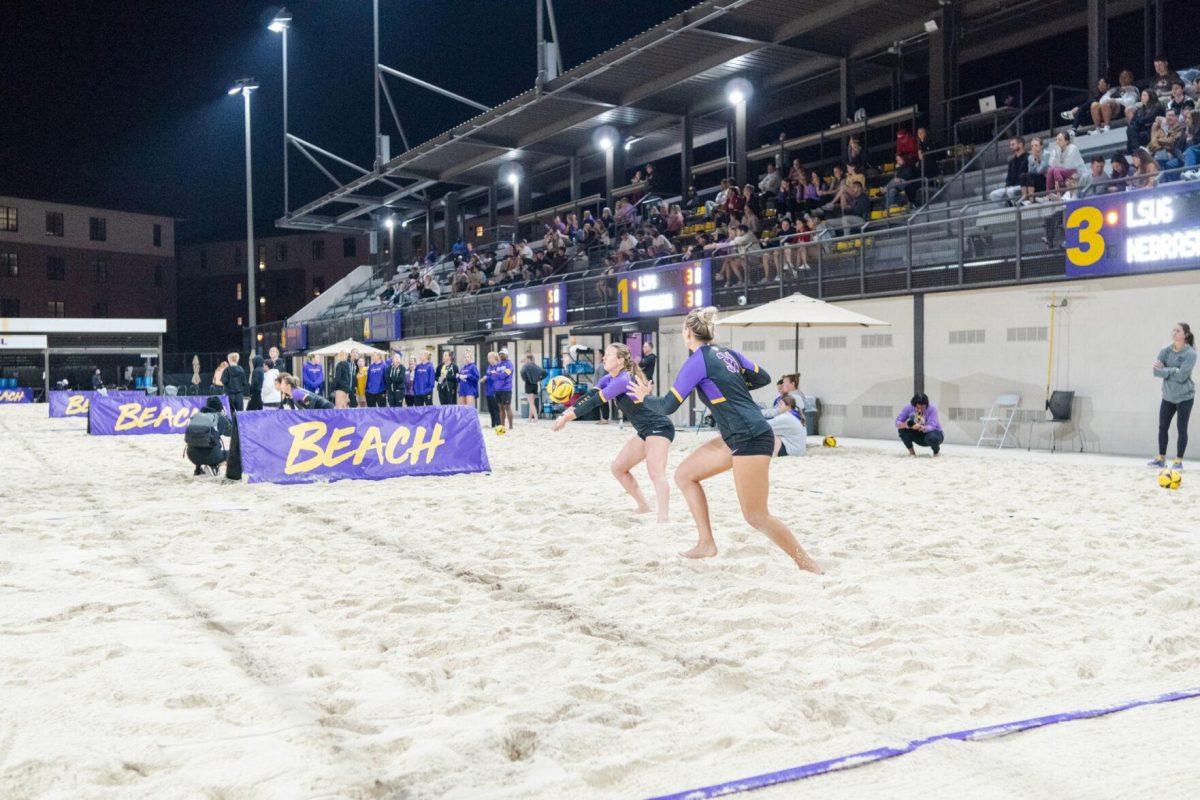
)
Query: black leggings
[
  {"x": 493, "y": 410},
  {"x": 1166, "y": 410}
]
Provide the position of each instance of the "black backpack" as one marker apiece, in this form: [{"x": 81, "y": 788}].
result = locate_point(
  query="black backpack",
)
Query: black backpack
[{"x": 203, "y": 431}]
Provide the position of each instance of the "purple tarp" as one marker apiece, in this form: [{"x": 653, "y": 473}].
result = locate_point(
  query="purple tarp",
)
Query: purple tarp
[
  {"x": 110, "y": 417},
  {"x": 22, "y": 394},
  {"x": 75, "y": 404}
]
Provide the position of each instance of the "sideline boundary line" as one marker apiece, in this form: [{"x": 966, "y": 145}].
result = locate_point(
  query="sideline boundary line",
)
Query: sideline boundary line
[{"x": 864, "y": 757}]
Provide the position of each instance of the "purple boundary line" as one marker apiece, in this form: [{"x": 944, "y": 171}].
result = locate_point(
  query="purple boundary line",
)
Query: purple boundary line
[{"x": 881, "y": 753}]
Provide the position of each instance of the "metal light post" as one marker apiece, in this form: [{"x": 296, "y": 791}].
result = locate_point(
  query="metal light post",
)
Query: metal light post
[
  {"x": 280, "y": 24},
  {"x": 244, "y": 87}
]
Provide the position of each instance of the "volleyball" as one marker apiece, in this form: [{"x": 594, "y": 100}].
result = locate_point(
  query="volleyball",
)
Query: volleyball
[
  {"x": 829, "y": 441},
  {"x": 500, "y": 430},
  {"x": 560, "y": 388},
  {"x": 1170, "y": 478}
]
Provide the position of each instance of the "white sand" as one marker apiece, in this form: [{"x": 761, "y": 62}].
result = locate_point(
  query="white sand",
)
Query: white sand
[{"x": 520, "y": 635}]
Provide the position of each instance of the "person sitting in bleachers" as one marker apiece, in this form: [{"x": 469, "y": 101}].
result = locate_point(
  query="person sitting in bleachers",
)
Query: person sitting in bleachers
[
  {"x": 796, "y": 173},
  {"x": 1145, "y": 170},
  {"x": 1018, "y": 166},
  {"x": 769, "y": 184},
  {"x": 1034, "y": 181},
  {"x": 1118, "y": 175},
  {"x": 1141, "y": 121},
  {"x": 906, "y": 145},
  {"x": 1079, "y": 115},
  {"x": 674, "y": 220},
  {"x": 1065, "y": 161},
  {"x": 692, "y": 200},
  {"x": 856, "y": 156},
  {"x": 903, "y": 182},
  {"x": 1121, "y": 100},
  {"x": 1164, "y": 76},
  {"x": 1190, "y": 145},
  {"x": 855, "y": 210},
  {"x": 810, "y": 194},
  {"x": 1164, "y": 142},
  {"x": 1179, "y": 102},
  {"x": 786, "y": 203}
]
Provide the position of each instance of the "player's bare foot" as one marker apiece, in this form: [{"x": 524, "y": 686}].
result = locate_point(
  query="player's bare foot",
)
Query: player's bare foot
[
  {"x": 663, "y": 518},
  {"x": 643, "y": 510},
  {"x": 700, "y": 551},
  {"x": 808, "y": 565}
]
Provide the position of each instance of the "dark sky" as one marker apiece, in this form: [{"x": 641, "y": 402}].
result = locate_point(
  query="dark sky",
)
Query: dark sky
[{"x": 124, "y": 104}]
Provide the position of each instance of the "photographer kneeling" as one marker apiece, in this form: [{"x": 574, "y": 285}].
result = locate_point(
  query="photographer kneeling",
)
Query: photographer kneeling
[
  {"x": 918, "y": 424},
  {"x": 205, "y": 447}
]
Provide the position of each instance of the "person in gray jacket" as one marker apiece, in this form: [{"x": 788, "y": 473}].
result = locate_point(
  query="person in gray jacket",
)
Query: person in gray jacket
[
  {"x": 1174, "y": 365},
  {"x": 788, "y": 426}
]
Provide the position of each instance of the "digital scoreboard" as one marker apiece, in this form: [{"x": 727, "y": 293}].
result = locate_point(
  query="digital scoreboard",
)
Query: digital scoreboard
[
  {"x": 534, "y": 307},
  {"x": 382, "y": 326},
  {"x": 664, "y": 291},
  {"x": 294, "y": 338},
  {"x": 1148, "y": 230}
]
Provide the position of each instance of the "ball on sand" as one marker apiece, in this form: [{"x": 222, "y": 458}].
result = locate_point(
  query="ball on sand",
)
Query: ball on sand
[
  {"x": 1170, "y": 478},
  {"x": 829, "y": 441},
  {"x": 500, "y": 430}
]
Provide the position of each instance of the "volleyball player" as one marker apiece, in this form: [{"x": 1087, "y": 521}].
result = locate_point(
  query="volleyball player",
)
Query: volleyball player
[
  {"x": 653, "y": 430},
  {"x": 746, "y": 444},
  {"x": 468, "y": 381}
]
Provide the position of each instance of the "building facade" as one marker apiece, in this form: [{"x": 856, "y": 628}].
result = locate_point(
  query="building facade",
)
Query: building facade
[
  {"x": 292, "y": 270},
  {"x": 60, "y": 260}
]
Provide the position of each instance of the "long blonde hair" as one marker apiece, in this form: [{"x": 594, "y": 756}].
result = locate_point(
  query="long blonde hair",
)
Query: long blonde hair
[
  {"x": 702, "y": 322},
  {"x": 627, "y": 362}
]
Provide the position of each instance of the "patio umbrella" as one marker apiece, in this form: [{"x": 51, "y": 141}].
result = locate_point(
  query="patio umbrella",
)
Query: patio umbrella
[
  {"x": 347, "y": 345},
  {"x": 800, "y": 311}
]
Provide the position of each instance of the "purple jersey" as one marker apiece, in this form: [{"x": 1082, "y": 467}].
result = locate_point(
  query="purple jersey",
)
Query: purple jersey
[
  {"x": 468, "y": 380},
  {"x": 724, "y": 378}
]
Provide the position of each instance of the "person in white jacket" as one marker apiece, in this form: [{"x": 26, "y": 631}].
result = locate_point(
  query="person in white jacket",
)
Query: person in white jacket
[
  {"x": 1065, "y": 161},
  {"x": 271, "y": 397}
]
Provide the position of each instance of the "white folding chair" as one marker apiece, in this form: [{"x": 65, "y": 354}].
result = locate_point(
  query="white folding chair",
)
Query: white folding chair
[{"x": 998, "y": 421}]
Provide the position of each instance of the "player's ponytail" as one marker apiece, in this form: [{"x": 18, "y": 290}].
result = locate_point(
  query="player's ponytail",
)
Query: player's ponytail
[
  {"x": 1187, "y": 334},
  {"x": 702, "y": 322}
]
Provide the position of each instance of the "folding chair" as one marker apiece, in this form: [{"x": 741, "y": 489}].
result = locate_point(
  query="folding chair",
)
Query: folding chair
[
  {"x": 1059, "y": 409},
  {"x": 998, "y": 420}
]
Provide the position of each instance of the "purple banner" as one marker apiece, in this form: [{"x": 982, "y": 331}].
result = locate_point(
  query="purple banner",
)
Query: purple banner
[
  {"x": 21, "y": 395},
  {"x": 369, "y": 444},
  {"x": 110, "y": 417},
  {"x": 75, "y": 404}
]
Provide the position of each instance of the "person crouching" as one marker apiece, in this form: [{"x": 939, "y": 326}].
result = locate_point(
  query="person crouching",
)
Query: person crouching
[
  {"x": 205, "y": 447},
  {"x": 918, "y": 424}
]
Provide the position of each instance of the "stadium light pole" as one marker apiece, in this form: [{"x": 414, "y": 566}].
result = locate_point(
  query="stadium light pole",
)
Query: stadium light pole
[
  {"x": 280, "y": 25},
  {"x": 244, "y": 87}
]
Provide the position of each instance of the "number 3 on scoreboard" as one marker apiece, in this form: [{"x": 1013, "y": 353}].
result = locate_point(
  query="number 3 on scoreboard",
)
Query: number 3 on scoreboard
[
  {"x": 506, "y": 304},
  {"x": 1087, "y": 220}
]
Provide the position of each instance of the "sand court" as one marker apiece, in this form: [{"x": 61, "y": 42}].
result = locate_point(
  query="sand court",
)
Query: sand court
[{"x": 522, "y": 635}]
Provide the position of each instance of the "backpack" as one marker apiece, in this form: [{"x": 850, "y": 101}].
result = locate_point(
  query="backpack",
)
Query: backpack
[{"x": 203, "y": 431}]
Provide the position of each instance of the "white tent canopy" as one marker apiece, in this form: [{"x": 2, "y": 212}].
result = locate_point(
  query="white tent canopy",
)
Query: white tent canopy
[
  {"x": 800, "y": 311},
  {"x": 347, "y": 345}
]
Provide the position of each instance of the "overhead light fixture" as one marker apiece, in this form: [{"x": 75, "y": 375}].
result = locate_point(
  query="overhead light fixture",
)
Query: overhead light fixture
[
  {"x": 281, "y": 22},
  {"x": 243, "y": 86},
  {"x": 391, "y": 223},
  {"x": 512, "y": 173},
  {"x": 605, "y": 137},
  {"x": 931, "y": 26},
  {"x": 738, "y": 91}
]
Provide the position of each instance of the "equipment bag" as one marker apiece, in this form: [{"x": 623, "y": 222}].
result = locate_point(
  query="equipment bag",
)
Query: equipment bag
[{"x": 202, "y": 431}]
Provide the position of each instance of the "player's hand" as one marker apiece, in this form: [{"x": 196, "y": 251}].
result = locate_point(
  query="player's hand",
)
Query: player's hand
[
  {"x": 641, "y": 388},
  {"x": 560, "y": 423},
  {"x": 1158, "y": 364}
]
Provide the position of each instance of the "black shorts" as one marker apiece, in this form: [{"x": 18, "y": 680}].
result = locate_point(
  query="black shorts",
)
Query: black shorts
[
  {"x": 531, "y": 388},
  {"x": 666, "y": 433},
  {"x": 504, "y": 398},
  {"x": 782, "y": 450},
  {"x": 761, "y": 445}
]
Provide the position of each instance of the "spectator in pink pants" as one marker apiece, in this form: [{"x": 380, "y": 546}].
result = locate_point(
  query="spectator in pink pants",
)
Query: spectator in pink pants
[{"x": 1065, "y": 161}]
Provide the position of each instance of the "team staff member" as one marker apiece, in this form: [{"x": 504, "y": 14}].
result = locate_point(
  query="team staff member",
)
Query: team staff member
[
  {"x": 301, "y": 398},
  {"x": 468, "y": 382},
  {"x": 343, "y": 380},
  {"x": 502, "y": 383},
  {"x": 397, "y": 381},
  {"x": 314, "y": 376},
  {"x": 234, "y": 379},
  {"x": 376, "y": 381},
  {"x": 725, "y": 378},
  {"x": 489, "y": 388},
  {"x": 653, "y": 431},
  {"x": 531, "y": 376},
  {"x": 649, "y": 361},
  {"x": 423, "y": 382},
  {"x": 447, "y": 382},
  {"x": 1174, "y": 365}
]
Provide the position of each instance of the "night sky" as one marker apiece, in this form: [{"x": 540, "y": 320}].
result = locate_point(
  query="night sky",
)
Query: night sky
[{"x": 124, "y": 104}]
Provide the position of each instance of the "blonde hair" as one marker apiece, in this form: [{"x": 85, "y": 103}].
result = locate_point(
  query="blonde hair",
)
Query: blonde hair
[
  {"x": 702, "y": 322},
  {"x": 627, "y": 362}
]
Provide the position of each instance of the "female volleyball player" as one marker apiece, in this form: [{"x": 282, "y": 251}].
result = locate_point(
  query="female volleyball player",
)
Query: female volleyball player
[
  {"x": 1174, "y": 365},
  {"x": 468, "y": 381},
  {"x": 725, "y": 378},
  {"x": 654, "y": 431}
]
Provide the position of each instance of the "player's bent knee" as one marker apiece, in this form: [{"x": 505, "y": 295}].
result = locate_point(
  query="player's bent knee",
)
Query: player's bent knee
[{"x": 756, "y": 519}]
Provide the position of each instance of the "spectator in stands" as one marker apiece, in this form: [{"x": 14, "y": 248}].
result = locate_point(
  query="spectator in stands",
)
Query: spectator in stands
[
  {"x": 1065, "y": 161},
  {"x": 1164, "y": 76},
  {"x": 1145, "y": 170},
  {"x": 652, "y": 181},
  {"x": 1120, "y": 99},
  {"x": 1079, "y": 115},
  {"x": 1180, "y": 103},
  {"x": 674, "y": 220},
  {"x": 735, "y": 201},
  {"x": 918, "y": 424},
  {"x": 797, "y": 174},
  {"x": 722, "y": 194},
  {"x": 97, "y": 380},
  {"x": 1191, "y": 146},
  {"x": 733, "y": 268},
  {"x": 235, "y": 381},
  {"x": 906, "y": 145},
  {"x": 430, "y": 288},
  {"x": 751, "y": 220},
  {"x": 691, "y": 200},
  {"x": 769, "y": 184},
  {"x": 929, "y": 166},
  {"x": 1018, "y": 165},
  {"x": 785, "y": 199},
  {"x": 1074, "y": 188},
  {"x": 855, "y": 210},
  {"x": 1119, "y": 172},
  {"x": 856, "y": 156},
  {"x": 608, "y": 220},
  {"x": 661, "y": 246},
  {"x": 1141, "y": 121},
  {"x": 396, "y": 381},
  {"x": 904, "y": 181},
  {"x": 475, "y": 277},
  {"x": 810, "y": 195},
  {"x": 626, "y": 214},
  {"x": 459, "y": 248},
  {"x": 1164, "y": 142},
  {"x": 1034, "y": 181},
  {"x": 752, "y": 200},
  {"x": 833, "y": 186},
  {"x": 432, "y": 256},
  {"x": 658, "y": 217},
  {"x": 775, "y": 255},
  {"x": 343, "y": 380}
]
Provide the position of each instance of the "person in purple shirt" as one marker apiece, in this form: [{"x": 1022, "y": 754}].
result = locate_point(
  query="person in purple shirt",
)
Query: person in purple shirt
[
  {"x": 918, "y": 424},
  {"x": 423, "y": 379},
  {"x": 724, "y": 378},
  {"x": 376, "y": 382},
  {"x": 313, "y": 375},
  {"x": 489, "y": 389},
  {"x": 501, "y": 374},
  {"x": 653, "y": 431},
  {"x": 468, "y": 381}
]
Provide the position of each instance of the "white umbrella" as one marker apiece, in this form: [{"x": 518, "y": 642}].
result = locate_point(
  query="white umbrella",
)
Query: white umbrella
[
  {"x": 800, "y": 311},
  {"x": 346, "y": 346}
]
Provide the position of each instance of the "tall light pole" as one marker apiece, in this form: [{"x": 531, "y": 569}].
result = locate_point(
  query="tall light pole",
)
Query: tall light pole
[
  {"x": 280, "y": 24},
  {"x": 244, "y": 87}
]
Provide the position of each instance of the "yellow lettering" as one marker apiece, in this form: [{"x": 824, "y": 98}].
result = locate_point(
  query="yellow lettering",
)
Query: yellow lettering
[
  {"x": 428, "y": 448},
  {"x": 337, "y": 441},
  {"x": 398, "y": 437},
  {"x": 371, "y": 440},
  {"x": 305, "y": 436},
  {"x": 127, "y": 416},
  {"x": 77, "y": 404},
  {"x": 183, "y": 417}
]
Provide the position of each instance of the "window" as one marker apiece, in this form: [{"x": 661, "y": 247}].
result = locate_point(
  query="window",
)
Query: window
[
  {"x": 98, "y": 229},
  {"x": 349, "y": 247},
  {"x": 876, "y": 340},
  {"x": 281, "y": 283},
  {"x": 100, "y": 271},
  {"x": 239, "y": 290},
  {"x": 8, "y": 265},
  {"x": 157, "y": 235},
  {"x": 10, "y": 307},
  {"x": 318, "y": 249},
  {"x": 790, "y": 344},
  {"x": 262, "y": 256},
  {"x": 203, "y": 259},
  {"x": 831, "y": 342},
  {"x": 99, "y": 309},
  {"x": 877, "y": 412},
  {"x": 54, "y": 223},
  {"x": 56, "y": 308},
  {"x": 1031, "y": 334},
  {"x": 239, "y": 322},
  {"x": 967, "y": 337},
  {"x": 757, "y": 346},
  {"x": 158, "y": 274},
  {"x": 965, "y": 414},
  {"x": 56, "y": 268},
  {"x": 8, "y": 218},
  {"x": 281, "y": 251},
  {"x": 318, "y": 285},
  {"x": 832, "y": 410}
]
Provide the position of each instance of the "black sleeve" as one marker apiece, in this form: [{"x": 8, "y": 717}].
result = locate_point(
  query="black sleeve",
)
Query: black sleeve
[
  {"x": 590, "y": 402},
  {"x": 756, "y": 379}
]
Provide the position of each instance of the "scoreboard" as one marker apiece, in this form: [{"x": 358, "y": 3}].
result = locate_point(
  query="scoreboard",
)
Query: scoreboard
[
  {"x": 382, "y": 326},
  {"x": 1148, "y": 230},
  {"x": 534, "y": 307},
  {"x": 294, "y": 338},
  {"x": 665, "y": 291}
]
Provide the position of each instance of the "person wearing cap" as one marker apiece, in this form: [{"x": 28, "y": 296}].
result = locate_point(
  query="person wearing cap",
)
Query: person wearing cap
[{"x": 205, "y": 447}]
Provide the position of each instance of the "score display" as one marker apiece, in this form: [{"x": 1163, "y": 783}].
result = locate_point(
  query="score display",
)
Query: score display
[
  {"x": 534, "y": 307},
  {"x": 1147, "y": 230},
  {"x": 663, "y": 291}
]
